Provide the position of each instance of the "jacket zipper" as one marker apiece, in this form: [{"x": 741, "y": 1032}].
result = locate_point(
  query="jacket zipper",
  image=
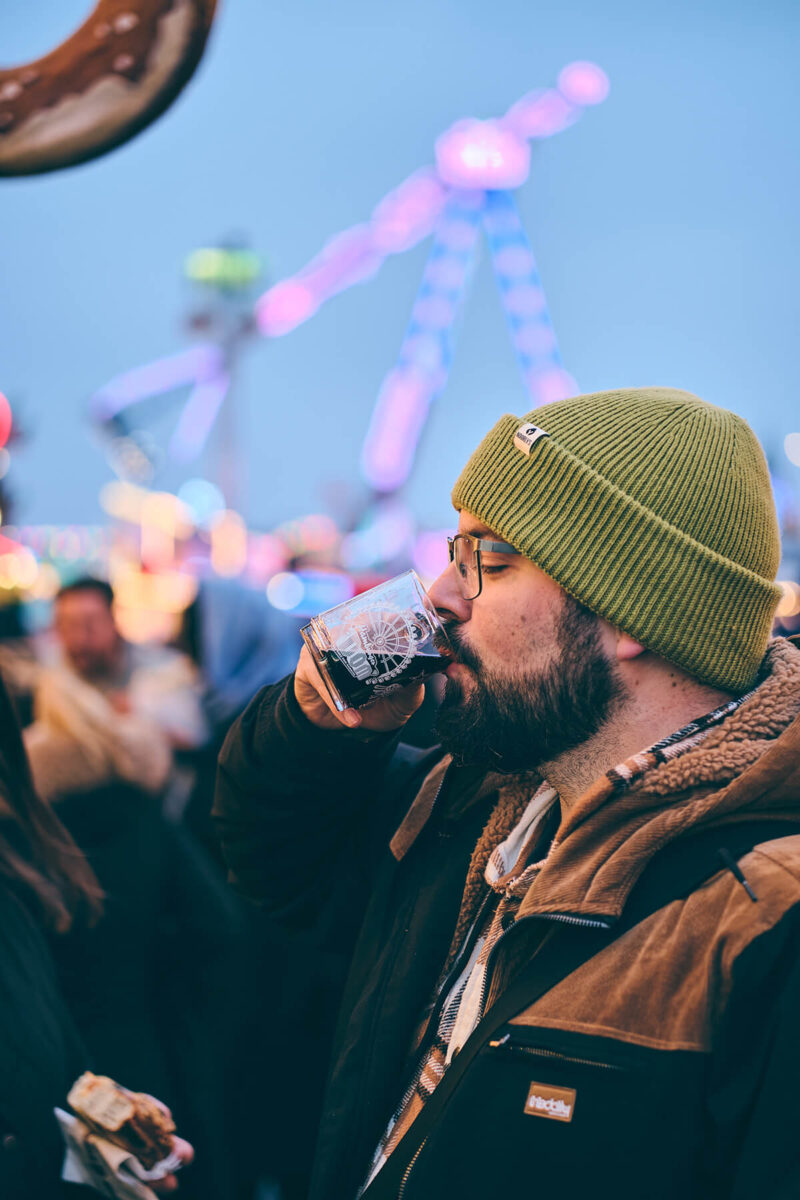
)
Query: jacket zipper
[
  {"x": 562, "y": 918},
  {"x": 568, "y": 919},
  {"x": 409, "y": 1169},
  {"x": 359, "y": 1116},
  {"x": 559, "y": 918},
  {"x": 461, "y": 957},
  {"x": 509, "y": 1046}
]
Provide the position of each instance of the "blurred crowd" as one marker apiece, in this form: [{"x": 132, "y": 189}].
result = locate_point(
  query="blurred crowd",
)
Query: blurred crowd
[
  {"x": 176, "y": 988},
  {"x": 168, "y": 987}
]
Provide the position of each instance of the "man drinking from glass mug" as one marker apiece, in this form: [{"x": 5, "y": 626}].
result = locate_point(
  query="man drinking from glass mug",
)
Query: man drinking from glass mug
[{"x": 573, "y": 930}]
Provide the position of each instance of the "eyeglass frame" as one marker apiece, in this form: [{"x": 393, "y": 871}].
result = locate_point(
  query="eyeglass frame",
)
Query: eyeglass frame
[{"x": 479, "y": 544}]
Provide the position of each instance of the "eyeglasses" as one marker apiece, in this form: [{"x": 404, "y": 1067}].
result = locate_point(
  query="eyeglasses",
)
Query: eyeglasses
[{"x": 465, "y": 551}]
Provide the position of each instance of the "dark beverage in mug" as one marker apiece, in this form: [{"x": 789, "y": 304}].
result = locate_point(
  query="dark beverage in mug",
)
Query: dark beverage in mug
[{"x": 383, "y": 640}]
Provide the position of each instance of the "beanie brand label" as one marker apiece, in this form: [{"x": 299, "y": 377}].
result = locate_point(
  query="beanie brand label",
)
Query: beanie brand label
[
  {"x": 555, "y": 1103},
  {"x": 527, "y": 436}
]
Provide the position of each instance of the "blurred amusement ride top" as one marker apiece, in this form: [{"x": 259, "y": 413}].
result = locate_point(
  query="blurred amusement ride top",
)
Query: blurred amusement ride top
[
  {"x": 478, "y": 165},
  {"x": 160, "y": 543}
]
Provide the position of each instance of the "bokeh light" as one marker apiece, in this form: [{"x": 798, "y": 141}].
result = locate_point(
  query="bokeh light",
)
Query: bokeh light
[
  {"x": 203, "y": 499},
  {"x": 5, "y": 420},
  {"x": 791, "y": 444},
  {"x": 228, "y": 544},
  {"x": 406, "y": 214},
  {"x": 584, "y": 83},
  {"x": 47, "y": 583},
  {"x": 149, "y": 606},
  {"x": 284, "y": 307},
  {"x": 482, "y": 154},
  {"x": 789, "y": 603},
  {"x": 541, "y": 114},
  {"x": 285, "y": 591},
  {"x": 223, "y": 267},
  {"x": 18, "y": 570},
  {"x": 430, "y": 555}
]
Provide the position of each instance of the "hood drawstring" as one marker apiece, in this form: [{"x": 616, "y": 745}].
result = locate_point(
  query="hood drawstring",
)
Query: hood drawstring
[{"x": 732, "y": 865}]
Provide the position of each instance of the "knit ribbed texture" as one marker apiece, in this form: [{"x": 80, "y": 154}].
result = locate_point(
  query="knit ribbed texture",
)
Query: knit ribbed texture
[{"x": 652, "y": 508}]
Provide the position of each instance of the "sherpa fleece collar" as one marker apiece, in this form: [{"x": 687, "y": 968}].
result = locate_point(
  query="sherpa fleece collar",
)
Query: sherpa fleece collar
[{"x": 750, "y": 764}]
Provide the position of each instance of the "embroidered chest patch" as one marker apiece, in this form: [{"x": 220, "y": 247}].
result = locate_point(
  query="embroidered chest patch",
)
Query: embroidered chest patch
[{"x": 555, "y": 1103}]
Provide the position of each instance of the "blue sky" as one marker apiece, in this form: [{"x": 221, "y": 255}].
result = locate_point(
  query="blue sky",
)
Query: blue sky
[{"x": 664, "y": 223}]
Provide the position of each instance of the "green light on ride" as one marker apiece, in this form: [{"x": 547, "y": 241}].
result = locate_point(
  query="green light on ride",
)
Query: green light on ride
[{"x": 223, "y": 268}]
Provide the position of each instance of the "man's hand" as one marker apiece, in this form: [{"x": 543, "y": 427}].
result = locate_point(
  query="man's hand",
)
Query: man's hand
[{"x": 382, "y": 716}]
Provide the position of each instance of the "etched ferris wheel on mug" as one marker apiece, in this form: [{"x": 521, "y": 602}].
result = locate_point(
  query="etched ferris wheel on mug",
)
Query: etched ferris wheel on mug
[
  {"x": 391, "y": 639},
  {"x": 384, "y": 639}
]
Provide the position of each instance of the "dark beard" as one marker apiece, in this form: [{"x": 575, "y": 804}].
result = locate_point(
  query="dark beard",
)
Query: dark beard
[{"x": 516, "y": 724}]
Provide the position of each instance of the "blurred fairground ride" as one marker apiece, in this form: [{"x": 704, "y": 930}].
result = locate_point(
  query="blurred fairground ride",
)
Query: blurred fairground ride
[
  {"x": 158, "y": 545},
  {"x": 470, "y": 189},
  {"x": 310, "y": 563}
]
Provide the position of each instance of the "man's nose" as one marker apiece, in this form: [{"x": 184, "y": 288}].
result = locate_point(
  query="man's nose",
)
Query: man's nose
[{"x": 446, "y": 595}]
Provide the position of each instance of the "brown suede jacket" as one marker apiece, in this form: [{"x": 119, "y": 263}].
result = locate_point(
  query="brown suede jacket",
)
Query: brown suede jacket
[{"x": 664, "y": 1066}]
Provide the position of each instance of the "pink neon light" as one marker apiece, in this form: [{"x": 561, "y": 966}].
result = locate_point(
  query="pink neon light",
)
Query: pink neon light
[
  {"x": 430, "y": 553},
  {"x": 284, "y": 307},
  {"x": 551, "y": 385},
  {"x": 346, "y": 259},
  {"x": 197, "y": 363},
  {"x": 447, "y": 273},
  {"x": 437, "y": 312},
  {"x": 541, "y": 114},
  {"x": 394, "y": 431},
  {"x": 515, "y": 262},
  {"x": 425, "y": 349},
  {"x": 408, "y": 213},
  {"x": 482, "y": 154},
  {"x": 524, "y": 300},
  {"x": 457, "y": 235},
  {"x": 5, "y": 420},
  {"x": 584, "y": 83},
  {"x": 536, "y": 339},
  {"x": 198, "y": 416},
  {"x": 472, "y": 156}
]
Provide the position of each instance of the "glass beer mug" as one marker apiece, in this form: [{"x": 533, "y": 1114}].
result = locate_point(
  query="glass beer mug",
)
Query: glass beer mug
[{"x": 378, "y": 642}]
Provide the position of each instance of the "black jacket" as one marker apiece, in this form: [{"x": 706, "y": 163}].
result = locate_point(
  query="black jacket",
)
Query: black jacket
[
  {"x": 656, "y": 1036},
  {"x": 152, "y": 986},
  {"x": 40, "y": 1057}
]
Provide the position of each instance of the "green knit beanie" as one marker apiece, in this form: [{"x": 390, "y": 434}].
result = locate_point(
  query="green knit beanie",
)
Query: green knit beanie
[{"x": 652, "y": 508}]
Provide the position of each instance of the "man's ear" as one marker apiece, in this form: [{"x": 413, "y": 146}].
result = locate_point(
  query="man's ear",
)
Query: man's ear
[{"x": 627, "y": 648}]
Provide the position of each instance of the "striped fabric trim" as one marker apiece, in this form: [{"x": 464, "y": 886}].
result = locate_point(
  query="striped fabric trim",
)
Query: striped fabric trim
[{"x": 624, "y": 774}]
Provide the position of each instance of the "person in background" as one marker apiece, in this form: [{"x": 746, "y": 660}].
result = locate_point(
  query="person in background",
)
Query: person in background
[
  {"x": 148, "y": 986},
  {"x": 151, "y": 682},
  {"x": 153, "y": 985},
  {"x": 107, "y": 711},
  {"x": 238, "y": 642},
  {"x": 45, "y": 884},
  {"x": 18, "y": 664}
]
